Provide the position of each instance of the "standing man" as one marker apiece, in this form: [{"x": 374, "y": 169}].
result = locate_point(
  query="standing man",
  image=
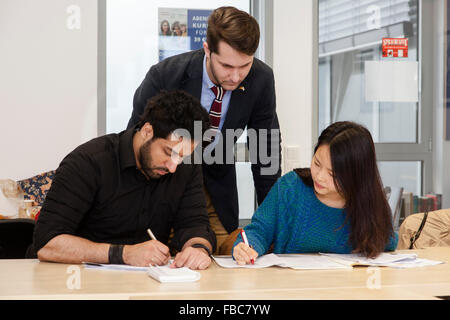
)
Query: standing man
[
  {"x": 109, "y": 191},
  {"x": 238, "y": 91}
]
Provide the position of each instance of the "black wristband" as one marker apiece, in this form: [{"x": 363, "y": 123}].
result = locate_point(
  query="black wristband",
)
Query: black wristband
[
  {"x": 199, "y": 245},
  {"x": 115, "y": 254}
]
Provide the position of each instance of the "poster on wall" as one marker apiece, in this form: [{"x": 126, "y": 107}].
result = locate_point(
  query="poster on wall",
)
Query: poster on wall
[{"x": 181, "y": 30}]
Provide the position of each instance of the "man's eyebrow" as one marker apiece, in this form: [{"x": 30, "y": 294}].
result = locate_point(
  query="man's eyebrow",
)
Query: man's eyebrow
[
  {"x": 170, "y": 150},
  {"x": 229, "y": 65}
]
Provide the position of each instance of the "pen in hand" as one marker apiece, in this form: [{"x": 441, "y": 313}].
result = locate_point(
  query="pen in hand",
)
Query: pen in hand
[
  {"x": 152, "y": 236},
  {"x": 244, "y": 237},
  {"x": 150, "y": 233}
]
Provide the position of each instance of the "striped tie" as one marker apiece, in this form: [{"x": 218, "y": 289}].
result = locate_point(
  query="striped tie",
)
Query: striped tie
[{"x": 215, "y": 113}]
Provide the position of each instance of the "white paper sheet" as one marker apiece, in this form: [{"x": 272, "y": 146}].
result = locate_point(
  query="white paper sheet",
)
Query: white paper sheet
[
  {"x": 264, "y": 261},
  {"x": 325, "y": 261},
  {"x": 304, "y": 261},
  {"x": 312, "y": 262},
  {"x": 383, "y": 258},
  {"x": 115, "y": 267},
  {"x": 413, "y": 263}
]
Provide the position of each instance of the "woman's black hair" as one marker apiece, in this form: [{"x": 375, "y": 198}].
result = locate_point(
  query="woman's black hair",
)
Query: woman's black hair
[{"x": 356, "y": 177}]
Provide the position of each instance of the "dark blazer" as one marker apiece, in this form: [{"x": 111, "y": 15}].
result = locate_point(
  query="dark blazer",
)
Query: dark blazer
[{"x": 253, "y": 107}]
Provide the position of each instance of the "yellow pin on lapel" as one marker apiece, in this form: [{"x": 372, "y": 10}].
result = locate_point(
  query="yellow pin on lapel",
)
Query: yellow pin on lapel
[{"x": 242, "y": 89}]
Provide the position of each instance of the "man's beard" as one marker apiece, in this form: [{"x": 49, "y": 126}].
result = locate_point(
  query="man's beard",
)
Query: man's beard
[{"x": 145, "y": 159}]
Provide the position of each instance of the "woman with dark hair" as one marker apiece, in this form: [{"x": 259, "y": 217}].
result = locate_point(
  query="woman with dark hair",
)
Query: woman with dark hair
[
  {"x": 165, "y": 28},
  {"x": 176, "y": 29},
  {"x": 338, "y": 205}
]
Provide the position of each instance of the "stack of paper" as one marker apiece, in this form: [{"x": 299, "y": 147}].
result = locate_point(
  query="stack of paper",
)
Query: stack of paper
[
  {"x": 168, "y": 274},
  {"x": 393, "y": 260}
]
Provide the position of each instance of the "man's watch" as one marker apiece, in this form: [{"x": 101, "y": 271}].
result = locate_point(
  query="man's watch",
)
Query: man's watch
[{"x": 199, "y": 245}]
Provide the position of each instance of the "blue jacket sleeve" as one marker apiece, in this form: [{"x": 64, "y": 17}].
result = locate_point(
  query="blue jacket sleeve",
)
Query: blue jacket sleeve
[{"x": 260, "y": 232}]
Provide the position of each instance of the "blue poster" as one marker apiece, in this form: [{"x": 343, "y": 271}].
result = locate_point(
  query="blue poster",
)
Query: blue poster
[
  {"x": 181, "y": 30},
  {"x": 197, "y": 26}
]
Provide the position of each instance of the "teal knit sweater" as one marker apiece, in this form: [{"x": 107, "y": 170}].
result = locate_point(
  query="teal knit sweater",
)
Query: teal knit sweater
[{"x": 295, "y": 221}]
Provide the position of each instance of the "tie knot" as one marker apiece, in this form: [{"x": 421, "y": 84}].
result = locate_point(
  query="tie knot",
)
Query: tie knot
[{"x": 218, "y": 92}]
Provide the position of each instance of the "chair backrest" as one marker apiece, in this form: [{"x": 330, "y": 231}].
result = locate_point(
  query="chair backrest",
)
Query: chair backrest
[
  {"x": 16, "y": 235},
  {"x": 36, "y": 188},
  {"x": 394, "y": 196}
]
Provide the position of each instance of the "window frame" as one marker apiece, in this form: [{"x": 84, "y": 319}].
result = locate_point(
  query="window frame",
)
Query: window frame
[{"x": 422, "y": 150}]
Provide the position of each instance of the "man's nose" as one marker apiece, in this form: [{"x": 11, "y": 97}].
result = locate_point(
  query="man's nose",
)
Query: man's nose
[
  {"x": 235, "y": 76},
  {"x": 172, "y": 165}
]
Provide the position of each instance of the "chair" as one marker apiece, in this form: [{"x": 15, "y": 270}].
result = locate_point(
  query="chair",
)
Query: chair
[
  {"x": 394, "y": 196},
  {"x": 227, "y": 246},
  {"x": 36, "y": 188},
  {"x": 16, "y": 235}
]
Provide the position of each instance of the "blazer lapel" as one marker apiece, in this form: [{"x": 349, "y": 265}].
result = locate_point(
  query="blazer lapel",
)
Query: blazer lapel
[{"x": 237, "y": 106}]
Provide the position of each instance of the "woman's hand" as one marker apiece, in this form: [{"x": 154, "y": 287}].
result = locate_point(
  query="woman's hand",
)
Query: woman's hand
[{"x": 243, "y": 254}]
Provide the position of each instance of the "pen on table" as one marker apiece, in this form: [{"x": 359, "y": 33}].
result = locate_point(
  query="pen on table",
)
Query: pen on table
[
  {"x": 244, "y": 237},
  {"x": 150, "y": 233}
]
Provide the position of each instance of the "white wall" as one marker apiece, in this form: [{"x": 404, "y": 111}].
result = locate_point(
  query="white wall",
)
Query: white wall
[
  {"x": 48, "y": 83},
  {"x": 295, "y": 69}
]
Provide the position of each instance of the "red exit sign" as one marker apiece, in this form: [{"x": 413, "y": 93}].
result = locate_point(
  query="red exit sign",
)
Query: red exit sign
[{"x": 395, "y": 47}]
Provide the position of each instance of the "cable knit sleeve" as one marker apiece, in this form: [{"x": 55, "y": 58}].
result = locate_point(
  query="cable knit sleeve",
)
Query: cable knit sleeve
[{"x": 261, "y": 231}]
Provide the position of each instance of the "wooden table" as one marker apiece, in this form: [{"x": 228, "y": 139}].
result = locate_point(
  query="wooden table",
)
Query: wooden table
[{"x": 31, "y": 279}]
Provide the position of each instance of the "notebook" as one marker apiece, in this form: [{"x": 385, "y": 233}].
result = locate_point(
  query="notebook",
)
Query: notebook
[
  {"x": 168, "y": 274},
  {"x": 329, "y": 261},
  {"x": 306, "y": 262}
]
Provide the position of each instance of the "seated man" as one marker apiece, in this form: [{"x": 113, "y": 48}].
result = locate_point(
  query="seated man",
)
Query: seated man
[{"x": 109, "y": 191}]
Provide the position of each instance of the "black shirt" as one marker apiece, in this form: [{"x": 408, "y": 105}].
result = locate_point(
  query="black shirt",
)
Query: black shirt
[{"x": 99, "y": 194}]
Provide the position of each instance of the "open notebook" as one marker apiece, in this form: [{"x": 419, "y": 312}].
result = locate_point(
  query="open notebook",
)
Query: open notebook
[
  {"x": 329, "y": 261},
  {"x": 294, "y": 261}
]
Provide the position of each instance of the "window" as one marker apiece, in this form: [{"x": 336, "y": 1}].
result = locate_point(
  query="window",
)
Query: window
[{"x": 351, "y": 88}]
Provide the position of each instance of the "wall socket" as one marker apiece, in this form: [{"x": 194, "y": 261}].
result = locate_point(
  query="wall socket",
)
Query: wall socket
[{"x": 291, "y": 158}]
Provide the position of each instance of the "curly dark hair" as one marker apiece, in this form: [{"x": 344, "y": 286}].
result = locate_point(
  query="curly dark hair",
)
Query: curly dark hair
[{"x": 172, "y": 110}]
